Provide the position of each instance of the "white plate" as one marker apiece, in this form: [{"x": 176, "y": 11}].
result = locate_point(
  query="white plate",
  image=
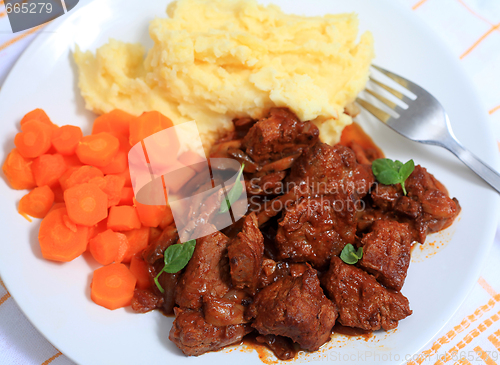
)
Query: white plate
[{"x": 55, "y": 297}]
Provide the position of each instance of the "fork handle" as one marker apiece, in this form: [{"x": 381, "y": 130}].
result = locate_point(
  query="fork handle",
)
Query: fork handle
[{"x": 484, "y": 171}]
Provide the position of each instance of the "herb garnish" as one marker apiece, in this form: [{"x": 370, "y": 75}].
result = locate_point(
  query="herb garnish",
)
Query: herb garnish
[
  {"x": 176, "y": 258},
  {"x": 234, "y": 193},
  {"x": 349, "y": 254},
  {"x": 390, "y": 172}
]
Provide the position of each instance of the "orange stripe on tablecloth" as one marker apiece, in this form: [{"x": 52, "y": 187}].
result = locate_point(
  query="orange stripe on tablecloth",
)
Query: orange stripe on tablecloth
[
  {"x": 4, "y": 298},
  {"x": 494, "y": 109},
  {"x": 19, "y": 37},
  {"x": 417, "y": 5},
  {"x": 2, "y": 284},
  {"x": 495, "y": 339},
  {"x": 482, "y": 38},
  {"x": 469, "y": 338},
  {"x": 450, "y": 335},
  {"x": 474, "y": 13},
  {"x": 486, "y": 286},
  {"x": 463, "y": 361},
  {"x": 484, "y": 356},
  {"x": 48, "y": 361}
]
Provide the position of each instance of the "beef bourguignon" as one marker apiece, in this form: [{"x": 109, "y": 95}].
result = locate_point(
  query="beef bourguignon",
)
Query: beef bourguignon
[{"x": 277, "y": 272}]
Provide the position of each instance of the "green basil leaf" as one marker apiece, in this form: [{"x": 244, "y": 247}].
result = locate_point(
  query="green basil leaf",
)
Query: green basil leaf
[
  {"x": 388, "y": 177},
  {"x": 382, "y": 164},
  {"x": 349, "y": 254},
  {"x": 403, "y": 187},
  {"x": 406, "y": 170},
  {"x": 158, "y": 283},
  {"x": 177, "y": 256},
  {"x": 390, "y": 172},
  {"x": 234, "y": 193},
  {"x": 359, "y": 253}
]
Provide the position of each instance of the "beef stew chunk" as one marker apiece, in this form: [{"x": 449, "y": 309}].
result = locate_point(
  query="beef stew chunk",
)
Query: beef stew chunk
[
  {"x": 439, "y": 210},
  {"x": 206, "y": 273},
  {"x": 386, "y": 252},
  {"x": 270, "y": 147},
  {"x": 277, "y": 135},
  {"x": 145, "y": 300},
  {"x": 273, "y": 271},
  {"x": 385, "y": 196},
  {"x": 223, "y": 311},
  {"x": 427, "y": 207},
  {"x": 314, "y": 229},
  {"x": 195, "y": 336},
  {"x": 245, "y": 253},
  {"x": 155, "y": 250},
  {"x": 361, "y": 301},
  {"x": 330, "y": 169},
  {"x": 294, "y": 307},
  {"x": 168, "y": 282},
  {"x": 148, "y": 299}
]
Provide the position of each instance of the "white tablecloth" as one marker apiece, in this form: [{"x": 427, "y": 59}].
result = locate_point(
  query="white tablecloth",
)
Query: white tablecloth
[{"x": 471, "y": 28}]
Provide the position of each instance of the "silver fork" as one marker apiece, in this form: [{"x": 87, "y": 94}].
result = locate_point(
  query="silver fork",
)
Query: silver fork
[{"x": 425, "y": 121}]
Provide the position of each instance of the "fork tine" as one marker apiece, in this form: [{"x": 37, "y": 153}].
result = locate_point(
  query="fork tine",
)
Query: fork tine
[
  {"x": 407, "y": 84},
  {"x": 376, "y": 112},
  {"x": 396, "y": 93},
  {"x": 386, "y": 101},
  {"x": 401, "y": 81}
]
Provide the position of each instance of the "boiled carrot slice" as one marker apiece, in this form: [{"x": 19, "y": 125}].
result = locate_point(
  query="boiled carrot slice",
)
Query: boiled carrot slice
[
  {"x": 113, "y": 286},
  {"x": 87, "y": 204},
  {"x": 57, "y": 241},
  {"x": 18, "y": 171},
  {"x": 139, "y": 268},
  {"x": 116, "y": 121},
  {"x": 36, "y": 203},
  {"x": 98, "y": 149},
  {"x": 47, "y": 169},
  {"x": 79, "y": 175},
  {"x": 123, "y": 218},
  {"x": 148, "y": 124},
  {"x": 137, "y": 241},
  {"x": 150, "y": 215},
  {"x": 34, "y": 139},
  {"x": 37, "y": 114},
  {"x": 105, "y": 247},
  {"x": 66, "y": 139}
]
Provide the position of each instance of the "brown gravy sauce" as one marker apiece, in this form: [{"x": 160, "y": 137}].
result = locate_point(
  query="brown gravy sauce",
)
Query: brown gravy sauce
[
  {"x": 350, "y": 331},
  {"x": 354, "y": 133},
  {"x": 265, "y": 354}
]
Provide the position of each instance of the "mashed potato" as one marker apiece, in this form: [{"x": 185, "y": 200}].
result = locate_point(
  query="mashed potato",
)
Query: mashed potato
[{"x": 214, "y": 60}]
